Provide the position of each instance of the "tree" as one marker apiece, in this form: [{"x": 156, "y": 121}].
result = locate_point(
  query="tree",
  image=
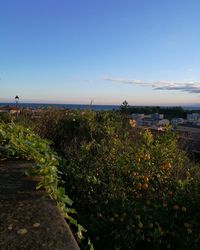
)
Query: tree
[{"x": 124, "y": 108}]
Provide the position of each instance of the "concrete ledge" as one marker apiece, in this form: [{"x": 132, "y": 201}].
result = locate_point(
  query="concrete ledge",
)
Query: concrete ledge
[{"x": 29, "y": 219}]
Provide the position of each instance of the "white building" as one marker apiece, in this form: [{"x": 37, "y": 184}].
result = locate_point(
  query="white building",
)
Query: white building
[
  {"x": 163, "y": 122},
  {"x": 193, "y": 117},
  {"x": 177, "y": 121}
]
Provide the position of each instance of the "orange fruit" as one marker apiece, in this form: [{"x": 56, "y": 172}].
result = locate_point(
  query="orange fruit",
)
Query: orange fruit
[
  {"x": 138, "y": 217},
  {"x": 146, "y": 179},
  {"x": 184, "y": 209},
  {"x": 175, "y": 207},
  {"x": 133, "y": 173},
  {"x": 145, "y": 186},
  {"x": 187, "y": 173},
  {"x": 140, "y": 225},
  {"x": 137, "y": 160},
  {"x": 170, "y": 193},
  {"x": 147, "y": 157}
]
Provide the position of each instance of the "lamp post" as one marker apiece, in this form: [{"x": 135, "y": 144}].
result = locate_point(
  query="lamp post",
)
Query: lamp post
[{"x": 17, "y": 100}]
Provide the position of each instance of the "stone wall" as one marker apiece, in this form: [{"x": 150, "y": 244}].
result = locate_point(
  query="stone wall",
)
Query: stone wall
[{"x": 29, "y": 220}]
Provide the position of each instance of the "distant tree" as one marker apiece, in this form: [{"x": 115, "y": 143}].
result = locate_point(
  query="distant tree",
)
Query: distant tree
[{"x": 124, "y": 108}]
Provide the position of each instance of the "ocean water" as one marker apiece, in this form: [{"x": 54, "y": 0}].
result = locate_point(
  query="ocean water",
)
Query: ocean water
[
  {"x": 65, "y": 106},
  {"x": 79, "y": 106}
]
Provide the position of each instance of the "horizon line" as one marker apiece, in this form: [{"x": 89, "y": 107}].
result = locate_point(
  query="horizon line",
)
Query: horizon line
[{"x": 84, "y": 104}]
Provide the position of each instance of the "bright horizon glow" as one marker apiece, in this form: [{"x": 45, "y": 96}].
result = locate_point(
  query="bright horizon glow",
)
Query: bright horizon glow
[
  {"x": 142, "y": 103},
  {"x": 57, "y": 51}
]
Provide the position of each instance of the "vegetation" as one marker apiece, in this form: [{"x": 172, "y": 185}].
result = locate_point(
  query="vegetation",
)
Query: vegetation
[
  {"x": 169, "y": 112},
  {"x": 16, "y": 141},
  {"x": 132, "y": 190}
]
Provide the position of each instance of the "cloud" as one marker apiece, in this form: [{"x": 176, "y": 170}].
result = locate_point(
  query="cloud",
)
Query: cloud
[
  {"x": 190, "y": 87},
  {"x": 184, "y": 86},
  {"x": 123, "y": 80}
]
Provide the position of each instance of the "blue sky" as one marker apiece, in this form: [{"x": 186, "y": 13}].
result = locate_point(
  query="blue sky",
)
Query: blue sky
[{"x": 63, "y": 51}]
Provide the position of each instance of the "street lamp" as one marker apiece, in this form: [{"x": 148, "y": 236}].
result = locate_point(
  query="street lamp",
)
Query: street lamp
[{"x": 17, "y": 100}]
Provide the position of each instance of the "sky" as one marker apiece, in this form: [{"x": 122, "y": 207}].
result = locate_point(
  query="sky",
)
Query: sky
[{"x": 74, "y": 51}]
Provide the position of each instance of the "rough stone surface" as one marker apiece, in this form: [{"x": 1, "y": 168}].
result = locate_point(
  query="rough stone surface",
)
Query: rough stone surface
[{"x": 29, "y": 219}]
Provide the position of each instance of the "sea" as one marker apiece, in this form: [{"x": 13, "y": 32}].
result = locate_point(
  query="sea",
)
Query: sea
[
  {"x": 81, "y": 106},
  {"x": 63, "y": 106}
]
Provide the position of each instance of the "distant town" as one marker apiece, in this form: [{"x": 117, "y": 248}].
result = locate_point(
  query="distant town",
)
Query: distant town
[{"x": 186, "y": 127}]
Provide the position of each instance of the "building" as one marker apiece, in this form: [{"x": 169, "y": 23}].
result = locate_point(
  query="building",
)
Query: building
[
  {"x": 137, "y": 116},
  {"x": 163, "y": 122},
  {"x": 150, "y": 120},
  {"x": 193, "y": 117},
  {"x": 157, "y": 116},
  {"x": 189, "y": 131},
  {"x": 177, "y": 121},
  {"x": 10, "y": 110},
  {"x": 189, "y": 139}
]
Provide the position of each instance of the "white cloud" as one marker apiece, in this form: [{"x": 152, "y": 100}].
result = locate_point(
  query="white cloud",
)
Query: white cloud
[
  {"x": 123, "y": 80},
  {"x": 190, "y": 87},
  {"x": 184, "y": 86}
]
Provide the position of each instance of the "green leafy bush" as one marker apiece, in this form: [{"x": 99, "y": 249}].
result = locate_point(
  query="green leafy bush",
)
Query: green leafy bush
[
  {"x": 18, "y": 141},
  {"x": 133, "y": 190}
]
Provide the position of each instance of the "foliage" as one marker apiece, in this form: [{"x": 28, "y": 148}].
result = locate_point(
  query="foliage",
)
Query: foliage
[
  {"x": 133, "y": 190},
  {"x": 21, "y": 142},
  {"x": 124, "y": 108},
  {"x": 6, "y": 117},
  {"x": 169, "y": 112}
]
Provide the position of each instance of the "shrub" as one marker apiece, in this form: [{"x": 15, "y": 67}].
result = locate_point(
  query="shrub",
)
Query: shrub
[
  {"x": 17, "y": 141},
  {"x": 133, "y": 190}
]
